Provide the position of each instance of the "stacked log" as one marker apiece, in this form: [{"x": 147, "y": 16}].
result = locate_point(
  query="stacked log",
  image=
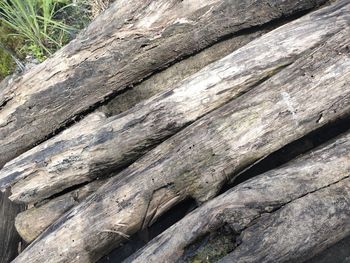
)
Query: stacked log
[
  {"x": 126, "y": 44},
  {"x": 173, "y": 101},
  {"x": 230, "y": 139},
  {"x": 83, "y": 153},
  {"x": 285, "y": 215}
]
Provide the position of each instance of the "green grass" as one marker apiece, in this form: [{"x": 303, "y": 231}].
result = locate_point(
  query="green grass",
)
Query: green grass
[
  {"x": 34, "y": 29},
  {"x": 7, "y": 64},
  {"x": 9, "y": 47},
  {"x": 34, "y": 21}
]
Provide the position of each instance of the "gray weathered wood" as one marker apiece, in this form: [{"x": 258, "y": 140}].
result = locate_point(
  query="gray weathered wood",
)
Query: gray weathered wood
[
  {"x": 337, "y": 253},
  {"x": 83, "y": 153},
  {"x": 197, "y": 161},
  {"x": 177, "y": 72},
  {"x": 127, "y": 43},
  {"x": 320, "y": 219},
  {"x": 10, "y": 241},
  {"x": 285, "y": 215},
  {"x": 32, "y": 222}
]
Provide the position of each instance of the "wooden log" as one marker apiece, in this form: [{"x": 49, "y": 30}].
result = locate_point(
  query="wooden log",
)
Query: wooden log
[
  {"x": 285, "y": 215},
  {"x": 10, "y": 241},
  {"x": 127, "y": 43},
  {"x": 81, "y": 154},
  {"x": 321, "y": 218},
  {"x": 34, "y": 221},
  {"x": 197, "y": 161},
  {"x": 170, "y": 77}
]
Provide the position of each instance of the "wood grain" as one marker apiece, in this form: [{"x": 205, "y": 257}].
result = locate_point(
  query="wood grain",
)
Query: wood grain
[
  {"x": 87, "y": 151},
  {"x": 123, "y": 46},
  {"x": 34, "y": 221},
  {"x": 284, "y": 215},
  {"x": 197, "y": 161}
]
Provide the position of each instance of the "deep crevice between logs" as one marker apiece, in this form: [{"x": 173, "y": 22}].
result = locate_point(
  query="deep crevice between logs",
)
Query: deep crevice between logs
[
  {"x": 338, "y": 253},
  {"x": 143, "y": 237},
  {"x": 291, "y": 151},
  {"x": 65, "y": 191}
]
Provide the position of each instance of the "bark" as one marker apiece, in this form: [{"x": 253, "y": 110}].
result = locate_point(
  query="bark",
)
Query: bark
[
  {"x": 10, "y": 241},
  {"x": 81, "y": 153},
  {"x": 267, "y": 218},
  {"x": 197, "y": 161},
  {"x": 127, "y": 43}
]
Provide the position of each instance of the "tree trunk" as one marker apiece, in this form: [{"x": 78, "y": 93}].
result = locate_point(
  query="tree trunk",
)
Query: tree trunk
[
  {"x": 285, "y": 215},
  {"x": 197, "y": 161},
  {"x": 83, "y": 153},
  {"x": 126, "y": 44}
]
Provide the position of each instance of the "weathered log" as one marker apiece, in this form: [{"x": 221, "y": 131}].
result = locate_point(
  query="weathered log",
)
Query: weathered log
[
  {"x": 34, "y": 221},
  {"x": 10, "y": 241},
  {"x": 127, "y": 43},
  {"x": 81, "y": 154},
  {"x": 285, "y": 215},
  {"x": 320, "y": 219},
  {"x": 197, "y": 161},
  {"x": 171, "y": 76}
]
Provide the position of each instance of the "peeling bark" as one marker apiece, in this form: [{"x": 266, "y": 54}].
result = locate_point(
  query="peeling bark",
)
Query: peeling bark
[
  {"x": 268, "y": 217},
  {"x": 127, "y": 43},
  {"x": 197, "y": 161},
  {"x": 81, "y": 153}
]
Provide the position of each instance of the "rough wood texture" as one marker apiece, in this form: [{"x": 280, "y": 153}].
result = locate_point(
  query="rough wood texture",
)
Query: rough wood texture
[
  {"x": 171, "y": 76},
  {"x": 127, "y": 43},
  {"x": 81, "y": 153},
  {"x": 197, "y": 161},
  {"x": 266, "y": 218},
  {"x": 34, "y": 221},
  {"x": 9, "y": 238},
  {"x": 320, "y": 219}
]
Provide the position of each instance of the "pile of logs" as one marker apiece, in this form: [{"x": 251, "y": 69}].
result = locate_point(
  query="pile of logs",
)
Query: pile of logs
[{"x": 160, "y": 102}]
